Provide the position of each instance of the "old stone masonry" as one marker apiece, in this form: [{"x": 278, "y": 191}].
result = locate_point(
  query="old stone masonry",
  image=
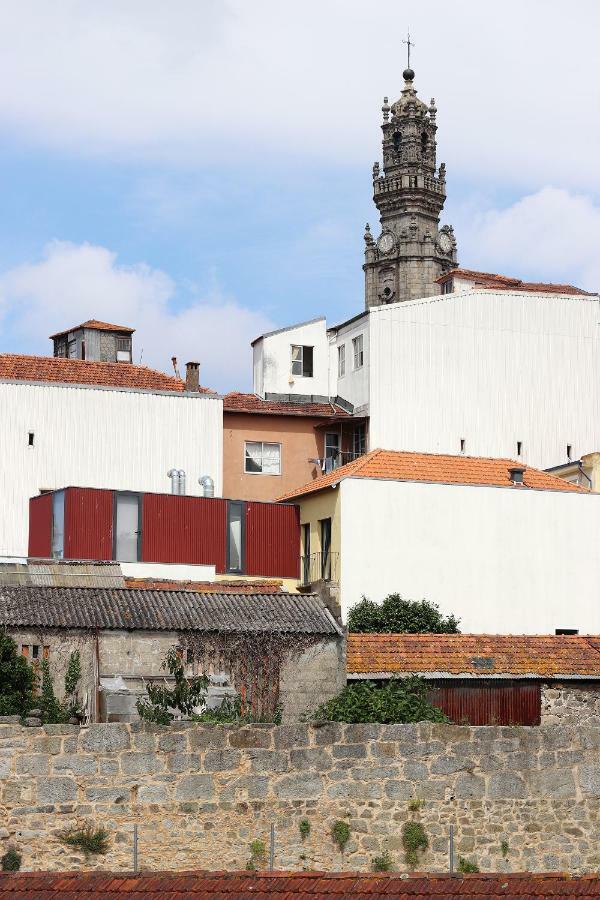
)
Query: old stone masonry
[{"x": 518, "y": 798}]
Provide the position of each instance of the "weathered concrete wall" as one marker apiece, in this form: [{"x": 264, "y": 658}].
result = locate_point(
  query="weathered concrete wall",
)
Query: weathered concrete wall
[
  {"x": 571, "y": 705},
  {"x": 201, "y": 794}
]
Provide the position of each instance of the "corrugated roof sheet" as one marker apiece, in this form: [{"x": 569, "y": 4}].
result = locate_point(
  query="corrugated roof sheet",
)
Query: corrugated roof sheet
[
  {"x": 304, "y": 885},
  {"x": 479, "y": 655},
  {"x": 252, "y": 403},
  {"x": 18, "y": 367},
  {"x": 62, "y": 574},
  {"x": 503, "y": 282},
  {"x": 442, "y": 468},
  {"x": 122, "y": 608}
]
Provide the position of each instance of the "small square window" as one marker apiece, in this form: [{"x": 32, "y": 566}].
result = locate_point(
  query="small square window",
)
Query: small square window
[
  {"x": 358, "y": 352},
  {"x": 341, "y": 360},
  {"x": 262, "y": 458},
  {"x": 123, "y": 349}
]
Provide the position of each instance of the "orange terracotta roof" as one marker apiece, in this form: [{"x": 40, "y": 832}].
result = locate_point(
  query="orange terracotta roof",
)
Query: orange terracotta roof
[
  {"x": 270, "y": 586},
  {"x": 504, "y": 283},
  {"x": 481, "y": 655},
  {"x": 94, "y": 325},
  {"x": 397, "y": 465},
  {"x": 17, "y": 367},
  {"x": 251, "y": 403},
  {"x": 303, "y": 885}
]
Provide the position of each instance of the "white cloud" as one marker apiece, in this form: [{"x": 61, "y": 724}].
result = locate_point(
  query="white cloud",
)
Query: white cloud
[
  {"x": 550, "y": 235},
  {"x": 234, "y": 81},
  {"x": 72, "y": 283}
]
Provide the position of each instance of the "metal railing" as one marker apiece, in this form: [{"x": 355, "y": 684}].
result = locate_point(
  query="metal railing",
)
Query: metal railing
[
  {"x": 337, "y": 459},
  {"x": 319, "y": 567}
]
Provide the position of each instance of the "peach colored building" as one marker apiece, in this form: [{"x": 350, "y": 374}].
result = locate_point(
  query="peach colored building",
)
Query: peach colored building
[{"x": 271, "y": 447}]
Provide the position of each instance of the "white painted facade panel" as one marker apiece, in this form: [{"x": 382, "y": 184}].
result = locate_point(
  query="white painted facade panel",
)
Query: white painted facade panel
[
  {"x": 89, "y": 437},
  {"x": 354, "y": 385},
  {"x": 504, "y": 560},
  {"x": 490, "y": 369},
  {"x": 274, "y": 361},
  {"x": 168, "y": 571}
]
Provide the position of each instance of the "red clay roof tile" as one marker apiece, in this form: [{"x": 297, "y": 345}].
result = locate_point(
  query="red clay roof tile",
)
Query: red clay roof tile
[
  {"x": 303, "y": 885},
  {"x": 95, "y": 325},
  {"x": 251, "y": 403},
  {"x": 395, "y": 465},
  {"x": 18, "y": 367},
  {"x": 504, "y": 283},
  {"x": 547, "y": 656},
  {"x": 270, "y": 586}
]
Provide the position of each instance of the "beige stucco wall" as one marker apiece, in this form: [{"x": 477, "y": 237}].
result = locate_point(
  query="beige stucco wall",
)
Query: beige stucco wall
[{"x": 323, "y": 505}]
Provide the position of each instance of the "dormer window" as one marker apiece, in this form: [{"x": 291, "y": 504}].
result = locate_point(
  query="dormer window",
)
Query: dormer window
[{"x": 448, "y": 286}]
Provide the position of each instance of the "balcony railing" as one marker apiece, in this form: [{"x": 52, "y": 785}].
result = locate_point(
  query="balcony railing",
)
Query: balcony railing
[
  {"x": 319, "y": 567},
  {"x": 337, "y": 459}
]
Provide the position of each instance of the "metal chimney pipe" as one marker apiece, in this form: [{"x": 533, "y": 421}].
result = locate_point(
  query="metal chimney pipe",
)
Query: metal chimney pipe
[
  {"x": 173, "y": 475},
  {"x": 208, "y": 486},
  {"x": 192, "y": 376},
  {"x": 181, "y": 482}
]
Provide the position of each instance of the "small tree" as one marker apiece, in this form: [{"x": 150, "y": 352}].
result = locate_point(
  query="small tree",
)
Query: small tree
[
  {"x": 399, "y": 616},
  {"x": 184, "y": 697},
  {"x": 53, "y": 712},
  {"x": 399, "y": 700},
  {"x": 17, "y": 679}
]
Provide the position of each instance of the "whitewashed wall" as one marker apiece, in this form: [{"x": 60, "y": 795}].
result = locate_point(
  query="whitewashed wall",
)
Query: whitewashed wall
[
  {"x": 354, "y": 385},
  {"x": 273, "y": 360},
  {"x": 491, "y": 368},
  {"x": 505, "y": 560},
  {"x": 88, "y": 437}
]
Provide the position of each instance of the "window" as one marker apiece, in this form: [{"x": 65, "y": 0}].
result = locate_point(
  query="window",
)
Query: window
[
  {"x": 341, "y": 360},
  {"x": 566, "y": 631},
  {"x": 127, "y": 528},
  {"x": 57, "y": 545},
  {"x": 72, "y": 349},
  {"x": 359, "y": 441},
  {"x": 302, "y": 361},
  {"x": 262, "y": 459},
  {"x": 569, "y": 451},
  {"x": 306, "y": 553},
  {"x": 463, "y": 445},
  {"x": 519, "y": 447},
  {"x": 357, "y": 350},
  {"x": 30, "y": 438},
  {"x": 325, "y": 549},
  {"x": 332, "y": 446},
  {"x": 235, "y": 536},
  {"x": 448, "y": 286},
  {"x": 397, "y": 142},
  {"x": 123, "y": 349}
]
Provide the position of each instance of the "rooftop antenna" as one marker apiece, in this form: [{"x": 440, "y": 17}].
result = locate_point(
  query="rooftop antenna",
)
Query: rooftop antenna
[{"x": 409, "y": 44}]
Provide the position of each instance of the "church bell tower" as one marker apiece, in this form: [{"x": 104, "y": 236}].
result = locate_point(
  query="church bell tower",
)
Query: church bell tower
[{"x": 411, "y": 250}]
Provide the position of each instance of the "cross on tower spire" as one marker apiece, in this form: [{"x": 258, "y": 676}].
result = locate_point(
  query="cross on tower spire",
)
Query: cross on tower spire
[{"x": 409, "y": 44}]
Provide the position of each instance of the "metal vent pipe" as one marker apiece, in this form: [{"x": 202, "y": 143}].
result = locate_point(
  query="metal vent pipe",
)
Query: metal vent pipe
[
  {"x": 208, "y": 486},
  {"x": 177, "y": 477}
]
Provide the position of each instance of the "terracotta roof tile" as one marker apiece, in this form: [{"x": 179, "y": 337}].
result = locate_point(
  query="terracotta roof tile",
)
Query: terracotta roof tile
[
  {"x": 482, "y": 655},
  {"x": 252, "y": 403},
  {"x": 304, "y": 885},
  {"x": 504, "y": 283},
  {"x": 17, "y": 367},
  {"x": 398, "y": 465},
  {"x": 95, "y": 325}
]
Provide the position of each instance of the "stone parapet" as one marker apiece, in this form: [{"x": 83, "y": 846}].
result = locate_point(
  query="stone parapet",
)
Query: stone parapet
[{"x": 200, "y": 794}]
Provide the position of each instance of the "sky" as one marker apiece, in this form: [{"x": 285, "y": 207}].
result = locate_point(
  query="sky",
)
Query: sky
[{"x": 201, "y": 170}]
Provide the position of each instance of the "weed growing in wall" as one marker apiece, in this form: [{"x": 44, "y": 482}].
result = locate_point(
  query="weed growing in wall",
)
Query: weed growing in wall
[
  {"x": 382, "y": 863},
  {"x": 304, "y": 828},
  {"x": 11, "y": 861},
  {"x": 413, "y": 840},
  {"x": 415, "y": 804},
  {"x": 504, "y": 848},
  {"x": 466, "y": 865},
  {"x": 340, "y": 833},
  {"x": 258, "y": 856},
  {"x": 86, "y": 838}
]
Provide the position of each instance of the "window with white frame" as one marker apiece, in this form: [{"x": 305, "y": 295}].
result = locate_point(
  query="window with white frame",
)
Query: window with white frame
[
  {"x": 341, "y": 360},
  {"x": 302, "y": 360},
  {"x": 261, "y": 458},
  {"x": 358, "y": 352}
]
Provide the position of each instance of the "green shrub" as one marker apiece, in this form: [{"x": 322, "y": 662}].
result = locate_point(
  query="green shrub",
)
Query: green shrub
[
  {"x": 413, "y": 840},
  {"x": 340, "y": 833},
  {"x": 504, "y": 848},
  {"x": 183, "y": 698},
  {"x": 258, "y": 856},
  {"x": 382, "y": 863},
  {"x": 17, "y": 679},
  {"x": 398, "y": 616},
  {"x": 304, "y": 828},
  {"x": 11, "y": 861},
  {"x": 230, "y": 712},
  {"x": 399, "y": 700},
  {"x": 465, "y": 865},
  {"x": 86, "y": 838}
]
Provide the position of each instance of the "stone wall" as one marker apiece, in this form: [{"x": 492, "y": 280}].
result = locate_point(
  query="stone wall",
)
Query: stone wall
[
  {"x": 201, "y": 794},
  {"x": 571, "y": 704}
]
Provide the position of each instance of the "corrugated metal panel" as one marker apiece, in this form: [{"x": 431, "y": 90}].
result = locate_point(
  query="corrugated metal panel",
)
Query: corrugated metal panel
[
  {"x": 184, "y": 530},
  {"x": 88, "y": 524},
  {"x": 489, "y": 703},
  {"x": 272, "y": 540},
  {"x": 62, "y": 574},
  {"x": 40, "y": 526}
]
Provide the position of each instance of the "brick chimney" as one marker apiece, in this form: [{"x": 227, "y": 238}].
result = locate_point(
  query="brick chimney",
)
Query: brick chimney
[
  {"x": 517, "y": 474},
  {"x": 192, "y": 376}
]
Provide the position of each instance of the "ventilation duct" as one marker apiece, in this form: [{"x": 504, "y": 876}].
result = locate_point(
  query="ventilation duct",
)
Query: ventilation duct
[
  {"x": 177, "y": 477},
  {"x": 207, "y": 485}
]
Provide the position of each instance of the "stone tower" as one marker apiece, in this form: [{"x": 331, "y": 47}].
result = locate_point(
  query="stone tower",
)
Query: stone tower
[{"x": 411, "y": 250}]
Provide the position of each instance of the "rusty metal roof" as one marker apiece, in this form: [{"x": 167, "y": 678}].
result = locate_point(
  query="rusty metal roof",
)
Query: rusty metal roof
[
  {"x": 147, "y": 610},
  {"x": 304, "y": 885}
]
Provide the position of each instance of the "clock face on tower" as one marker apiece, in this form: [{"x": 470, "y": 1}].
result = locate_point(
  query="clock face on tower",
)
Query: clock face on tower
[
  {"x": 444, "y": 242},
  {"x": 385, "y": 242}
]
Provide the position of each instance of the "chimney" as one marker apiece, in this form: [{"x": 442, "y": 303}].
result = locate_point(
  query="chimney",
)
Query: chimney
[
  {"x": 516, "y": 474},
  {"x": 192, "y": 376}
]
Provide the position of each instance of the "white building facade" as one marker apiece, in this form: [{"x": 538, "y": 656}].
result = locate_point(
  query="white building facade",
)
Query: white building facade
[
  {"x": 55, "y": 435},
  {"x": 487, "y": 373}
]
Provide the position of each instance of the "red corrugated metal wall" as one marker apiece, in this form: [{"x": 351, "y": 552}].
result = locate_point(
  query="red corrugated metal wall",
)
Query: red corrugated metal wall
[
  {"x": 40, "y": 526},
  {"x": 184, "y": 530},
  {"x": 489, "y": 703},
  {"x": 88, "y": 524},
  {"x": 272, "y": 540}
]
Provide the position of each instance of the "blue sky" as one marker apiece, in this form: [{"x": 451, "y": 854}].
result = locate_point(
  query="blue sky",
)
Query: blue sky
[{"x": 206, "y": 176}]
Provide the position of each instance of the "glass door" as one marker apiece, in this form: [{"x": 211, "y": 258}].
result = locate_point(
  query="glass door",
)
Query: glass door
[{"x": 127, "y": 527}]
